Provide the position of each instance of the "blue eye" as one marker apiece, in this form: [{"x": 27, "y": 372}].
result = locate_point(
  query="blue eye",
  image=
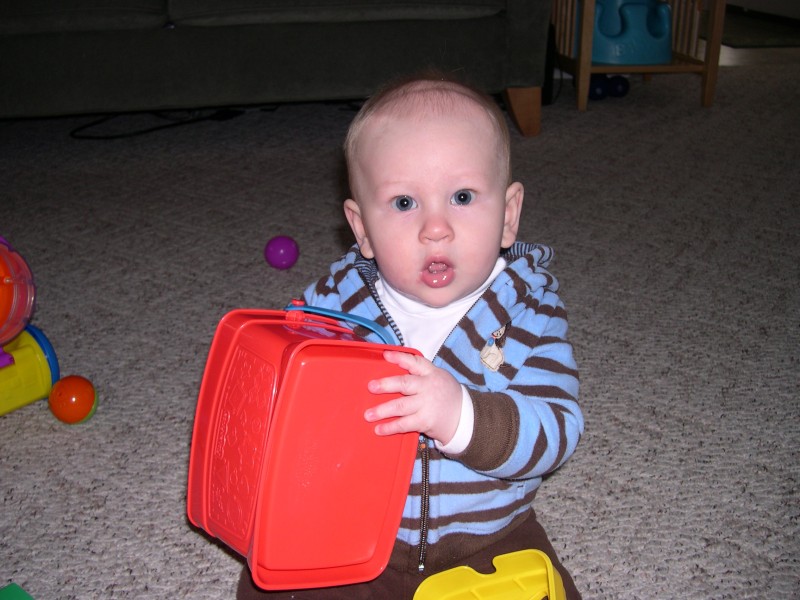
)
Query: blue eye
[
  {"x": 404, "y": 203},
  {"x": 462, "y": 197}
]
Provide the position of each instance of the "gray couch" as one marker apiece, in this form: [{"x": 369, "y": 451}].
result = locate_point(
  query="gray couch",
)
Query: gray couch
[{"x": 62, "y": 57}]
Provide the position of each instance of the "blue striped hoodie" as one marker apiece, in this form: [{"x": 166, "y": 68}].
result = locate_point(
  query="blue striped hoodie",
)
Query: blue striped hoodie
[{"x": 527, "y": 419}]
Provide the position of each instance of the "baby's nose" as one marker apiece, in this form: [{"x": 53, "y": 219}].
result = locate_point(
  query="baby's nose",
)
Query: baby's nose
[{"x": 436, "y": 228}]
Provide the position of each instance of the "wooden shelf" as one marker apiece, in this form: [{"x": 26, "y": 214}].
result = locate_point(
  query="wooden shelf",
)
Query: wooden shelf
[{"x": 574, "y": 33}]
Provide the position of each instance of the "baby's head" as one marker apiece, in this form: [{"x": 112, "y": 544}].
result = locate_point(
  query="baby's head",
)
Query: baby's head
[
  {"x": 421, "y": 97},
  {"x": 433, "y": 202}
]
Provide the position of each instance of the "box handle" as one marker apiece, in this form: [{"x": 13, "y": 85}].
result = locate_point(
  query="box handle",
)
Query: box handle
[{"x": 326, "y": 312}]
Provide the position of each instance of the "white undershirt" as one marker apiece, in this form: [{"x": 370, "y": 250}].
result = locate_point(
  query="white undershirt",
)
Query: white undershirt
[{"x": 426, "y": 328}]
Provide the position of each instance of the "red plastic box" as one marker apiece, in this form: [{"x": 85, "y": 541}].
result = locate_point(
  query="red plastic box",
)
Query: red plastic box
[{"x": 283, "y": 467}]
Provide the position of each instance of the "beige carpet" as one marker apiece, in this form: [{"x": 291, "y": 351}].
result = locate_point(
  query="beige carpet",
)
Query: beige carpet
[{"x": 677, "y": 246}]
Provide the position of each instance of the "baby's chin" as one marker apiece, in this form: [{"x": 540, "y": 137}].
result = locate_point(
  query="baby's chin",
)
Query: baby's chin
[{"x": 435, "y": 297}]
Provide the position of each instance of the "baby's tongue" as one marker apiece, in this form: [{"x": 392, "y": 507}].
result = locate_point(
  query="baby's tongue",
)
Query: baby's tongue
[{"x": 437, "y": 267}]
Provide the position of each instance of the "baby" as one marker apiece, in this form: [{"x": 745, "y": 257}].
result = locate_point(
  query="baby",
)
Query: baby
[{"x": 435, "y": 216}]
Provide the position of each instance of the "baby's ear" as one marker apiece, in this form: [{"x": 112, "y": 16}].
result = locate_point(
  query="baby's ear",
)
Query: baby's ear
[
  {"x": 352, "y": 211},
  {"x": 514, "y": 195}
]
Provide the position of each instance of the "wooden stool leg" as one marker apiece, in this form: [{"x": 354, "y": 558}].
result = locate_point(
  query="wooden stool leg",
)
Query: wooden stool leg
[
  {"x": 525, "y": 106},
  {"x": 716, "y": 19},
  {"x": 583, "y": 72}
]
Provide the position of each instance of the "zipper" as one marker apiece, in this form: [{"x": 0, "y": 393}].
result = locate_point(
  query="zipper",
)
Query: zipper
[
  {"x": 374, "y": 293},
  {"x": 422, "y": 447},
  {"x": 424, "y": 508},
  {"x": 425, "y": 496},
  {"x": 423, "y": 440}
]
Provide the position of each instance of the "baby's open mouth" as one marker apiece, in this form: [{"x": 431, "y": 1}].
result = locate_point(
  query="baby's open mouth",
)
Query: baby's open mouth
[
  {"x": 438, "y": 274},
  {"x": 437, "y": 267}
]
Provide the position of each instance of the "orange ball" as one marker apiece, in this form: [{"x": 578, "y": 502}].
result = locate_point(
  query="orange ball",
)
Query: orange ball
[{"x": 73, "y": 399}]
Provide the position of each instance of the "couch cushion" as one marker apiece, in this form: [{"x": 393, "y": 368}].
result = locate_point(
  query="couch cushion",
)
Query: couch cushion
[
  {"x": 248, "y": 12},
  {"x": 40, "y": 16}
]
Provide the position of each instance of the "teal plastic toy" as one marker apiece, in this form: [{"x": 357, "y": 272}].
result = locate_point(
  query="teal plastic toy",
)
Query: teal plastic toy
[{"x": 632, "y": 32}]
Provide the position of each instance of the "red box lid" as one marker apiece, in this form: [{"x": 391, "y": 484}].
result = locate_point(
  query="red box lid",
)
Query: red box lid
[{"x": 283, "y": 467}]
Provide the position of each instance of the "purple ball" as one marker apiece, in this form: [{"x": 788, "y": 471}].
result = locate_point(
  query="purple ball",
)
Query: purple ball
[{"x": 281, "y": 252}]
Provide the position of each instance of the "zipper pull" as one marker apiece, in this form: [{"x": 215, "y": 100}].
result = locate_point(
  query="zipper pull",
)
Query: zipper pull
[
  {"x": 492, "y": 353},
  {"x": 492, "y": 356}
]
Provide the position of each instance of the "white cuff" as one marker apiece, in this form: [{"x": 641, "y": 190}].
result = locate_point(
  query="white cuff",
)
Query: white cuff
[{"x": 466, "y": 424}]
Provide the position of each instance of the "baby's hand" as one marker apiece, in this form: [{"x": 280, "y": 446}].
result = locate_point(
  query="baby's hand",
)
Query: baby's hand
[{"x": 430, "y": 401}]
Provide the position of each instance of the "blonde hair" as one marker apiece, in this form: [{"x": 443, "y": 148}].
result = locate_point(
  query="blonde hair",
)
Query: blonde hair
[{"x": 429, "y": 93}]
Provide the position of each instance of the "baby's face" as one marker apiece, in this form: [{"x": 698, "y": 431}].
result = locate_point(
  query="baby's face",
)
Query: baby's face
[{"x": 432, "y": 204}]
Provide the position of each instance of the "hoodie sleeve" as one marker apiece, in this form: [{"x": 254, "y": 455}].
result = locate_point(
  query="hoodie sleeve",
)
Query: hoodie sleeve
[
  {"x": 527, "y": 421},
  {"x": 532, "y": 426}
]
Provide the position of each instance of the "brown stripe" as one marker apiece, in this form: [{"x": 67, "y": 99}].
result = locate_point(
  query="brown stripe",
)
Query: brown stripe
[
  {"x": 508, "y": 371},
  {"x": 523, "y": 336},
  {"x": 551, "y": 311},
  {"x": 520, "y": 285},
  {"x": 482, "y": 516},
  {"x": 548, "y": 364},
  {"x": 349, "y": 304},
  {"x": 543, "y": 391},
  {"x": 541, "y": 444},
  {"x": 538, "y": 451},
  {"x": 498, "y": 310},
  {"x": 478, "y": 516},
  {"x": 548, "y": 278},
  {"x": 475, "y": 487},
  {"x": 475, "y": 339},
  {"x": 562, "y": 428},
  {"x": 322, "y": 289},
  {"x": 496, "y": 431},
  {"x": 447, "y": 355}
]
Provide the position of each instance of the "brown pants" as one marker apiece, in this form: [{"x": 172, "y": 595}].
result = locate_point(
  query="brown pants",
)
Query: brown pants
[{"x": 393, "y": 584}]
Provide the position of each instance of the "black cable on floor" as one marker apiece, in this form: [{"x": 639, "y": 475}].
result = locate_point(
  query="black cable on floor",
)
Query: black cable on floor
[{"x": 223, "y": 114}]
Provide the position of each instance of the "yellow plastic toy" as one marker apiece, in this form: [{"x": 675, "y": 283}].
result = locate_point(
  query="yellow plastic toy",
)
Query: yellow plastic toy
[
  {"x": 28, "y": 363},
  {"x": 31, "y": 372},
  {"x": 522, "y": 575}
]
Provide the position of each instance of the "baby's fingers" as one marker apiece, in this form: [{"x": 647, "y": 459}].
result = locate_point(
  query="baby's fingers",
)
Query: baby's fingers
[
  {"x": 396, "y": 415},
  {"x": 397, "y": 384},
  {"x": 395, "y": 426},
  {"x": 413, "y": 363}
]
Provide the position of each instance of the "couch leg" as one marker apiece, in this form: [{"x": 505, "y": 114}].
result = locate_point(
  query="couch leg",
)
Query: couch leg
[{"x": 525, "y": 106}]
